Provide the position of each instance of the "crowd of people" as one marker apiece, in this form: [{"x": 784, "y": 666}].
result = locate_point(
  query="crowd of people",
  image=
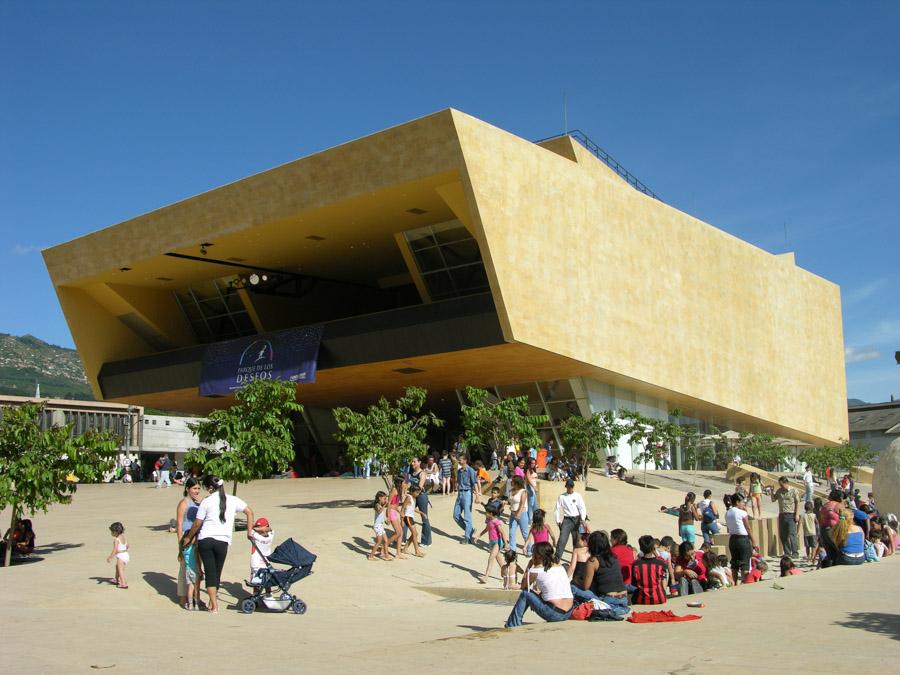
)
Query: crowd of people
[{"x": 603, "y": 568}]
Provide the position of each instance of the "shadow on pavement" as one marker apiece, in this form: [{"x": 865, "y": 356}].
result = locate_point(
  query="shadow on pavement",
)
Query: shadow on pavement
[
  {"x": 874, "y": 622},
  {"x": 54, "y": 547},
  {"x": 162, "y": 583},
  {"x": 475, "y": 574},
  {"x": 334, "y": 504},
  {"x": 104, "y": 580},
  {"x": 358, "y": 545}
]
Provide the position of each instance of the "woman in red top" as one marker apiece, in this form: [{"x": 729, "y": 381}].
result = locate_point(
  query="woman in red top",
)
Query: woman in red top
[
  {"x": 690, "y": 572},
  {"x": 625, "y": 554},
  {"x": 828, "y": 516}
]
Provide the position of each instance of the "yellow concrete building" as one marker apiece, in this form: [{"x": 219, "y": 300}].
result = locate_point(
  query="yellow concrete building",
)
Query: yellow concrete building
[{"x": 446, "y": 252}]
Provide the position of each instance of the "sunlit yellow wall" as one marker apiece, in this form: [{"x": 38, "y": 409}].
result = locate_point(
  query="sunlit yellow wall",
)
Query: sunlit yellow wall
[{"x": 590, "y": 268}]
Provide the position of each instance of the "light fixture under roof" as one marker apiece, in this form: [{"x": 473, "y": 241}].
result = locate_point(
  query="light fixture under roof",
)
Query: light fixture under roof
[
  {"x": 237, "y": 259},
  {"x": 416, "y": 211},
  {"x": 408, "y": 371},
  {"x": 315, "y": 237},
  {"x": 124, "y": 269},
  {"x": 205, "y": 245},
  {"x": 164, "y": 279}
]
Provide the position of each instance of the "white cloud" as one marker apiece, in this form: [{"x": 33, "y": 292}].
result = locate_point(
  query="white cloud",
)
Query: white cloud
[
  {"x": 860, "y": 355},
  {"x": 860, "y": 293},
  {"x": 20, "y": 249}
]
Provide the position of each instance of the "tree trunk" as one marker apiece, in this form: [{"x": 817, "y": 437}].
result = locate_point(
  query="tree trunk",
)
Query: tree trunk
[
  {"x": 387, "y": 483},
  {"x": 234, "y": 489},
  {"x": 7, "y": 555}
]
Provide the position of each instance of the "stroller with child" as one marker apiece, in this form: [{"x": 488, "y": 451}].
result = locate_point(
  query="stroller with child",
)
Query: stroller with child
[{"x": 299, "y": 563}]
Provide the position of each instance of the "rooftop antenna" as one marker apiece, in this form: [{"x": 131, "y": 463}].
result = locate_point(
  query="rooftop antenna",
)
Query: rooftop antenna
[
  {"x": 565, "y": 114},
  {"x": 784, "y": 224}
]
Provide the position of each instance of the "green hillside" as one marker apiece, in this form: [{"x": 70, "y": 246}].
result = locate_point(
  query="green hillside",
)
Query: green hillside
[{"x": 26, "y": 360}]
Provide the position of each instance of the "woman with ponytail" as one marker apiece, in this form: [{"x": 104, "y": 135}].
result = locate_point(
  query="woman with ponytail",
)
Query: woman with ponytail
[
  {"x": 551, "y": 598},
  {"x": 213, "y": 527}
]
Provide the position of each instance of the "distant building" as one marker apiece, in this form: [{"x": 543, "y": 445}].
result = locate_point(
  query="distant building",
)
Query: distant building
[
  {"x": 875, "y": 424},
  {"x": 165, "y": 433}
]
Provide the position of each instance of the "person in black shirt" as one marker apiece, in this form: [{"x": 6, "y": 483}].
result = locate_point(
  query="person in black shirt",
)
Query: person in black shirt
[{"x": 647, "y": 574}]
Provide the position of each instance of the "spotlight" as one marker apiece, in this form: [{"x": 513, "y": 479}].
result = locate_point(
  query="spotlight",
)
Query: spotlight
[{"x": 254, "y": 279}]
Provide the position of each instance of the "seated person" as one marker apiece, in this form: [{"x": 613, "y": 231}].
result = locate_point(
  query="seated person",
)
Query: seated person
[
  {"x": 552, "y": 600},
  {"x": 756, "y": 572},
  {"x": 647, "y": 574},
  {"x": 21, "y": 538}
]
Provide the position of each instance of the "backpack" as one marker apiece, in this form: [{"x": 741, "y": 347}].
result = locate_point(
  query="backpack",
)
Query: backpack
[{"x": 709, "y": 516}]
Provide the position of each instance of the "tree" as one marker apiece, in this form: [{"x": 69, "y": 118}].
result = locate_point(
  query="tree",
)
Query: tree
[
  {"x": 657, "y": 438},
  {"x": 36, "y": 465},
  {"x": 252, "y": 438},
  {"x": 498, "y": 425},
  {"x": 591, "y": 436},
  {"x": 391, "y": 433},
  {"x": 843, "y": 457},
  {"x": 761, "y": 450},
  {"x": 708, "y": 447}
]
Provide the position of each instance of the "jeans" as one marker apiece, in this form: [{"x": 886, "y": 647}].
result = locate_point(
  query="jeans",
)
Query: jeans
[
  {"x": 357, "y": 471},
  {"x": 422, "y": 505},
  {"x": 582, "y": 595},
  {"x": 521, "y": 523},
  {"x": 787, "y": 532},
  {"x": 462, "y": 512},
  {"x": 532, "y": 601},
  {"x": 689, "y": 586},
  {"x": 807, "y": 493},
  {"x": 568, "y": 527},
  {"x": 708, "y": 530},
  {"x": 532, "y": 503}
]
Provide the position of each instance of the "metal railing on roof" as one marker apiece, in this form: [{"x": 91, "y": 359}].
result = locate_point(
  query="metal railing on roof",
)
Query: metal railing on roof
[{"x": 607, "y": 159}]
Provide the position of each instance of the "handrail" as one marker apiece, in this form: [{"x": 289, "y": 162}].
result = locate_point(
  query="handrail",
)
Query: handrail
[{"x": 606, "y": 158}]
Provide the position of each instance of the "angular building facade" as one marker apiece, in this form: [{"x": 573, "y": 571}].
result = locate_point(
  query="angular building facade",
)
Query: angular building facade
[{"x": 446, "y": 252}]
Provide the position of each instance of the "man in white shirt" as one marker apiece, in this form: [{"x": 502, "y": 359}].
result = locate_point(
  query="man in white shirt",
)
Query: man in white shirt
[
  {"x": 570, "y": 512},
  {"x": 808, "y": 482}
]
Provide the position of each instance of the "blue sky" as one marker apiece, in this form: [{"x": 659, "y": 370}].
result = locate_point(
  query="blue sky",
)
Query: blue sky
[{"x": 778, "y": 122}]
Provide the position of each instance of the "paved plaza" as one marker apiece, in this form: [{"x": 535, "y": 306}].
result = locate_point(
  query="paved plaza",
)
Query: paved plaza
[{"x": 59, "y": 614}]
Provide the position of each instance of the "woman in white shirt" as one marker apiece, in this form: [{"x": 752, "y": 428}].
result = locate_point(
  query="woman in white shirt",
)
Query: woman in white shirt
[
  {"x": 213, "y": 527},
  {"x": 553, "y": 600},
  {"x": 741, "y": 542}
]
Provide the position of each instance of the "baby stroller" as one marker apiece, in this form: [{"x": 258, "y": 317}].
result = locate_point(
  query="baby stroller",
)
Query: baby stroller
[{"x": 299, "y": 562}]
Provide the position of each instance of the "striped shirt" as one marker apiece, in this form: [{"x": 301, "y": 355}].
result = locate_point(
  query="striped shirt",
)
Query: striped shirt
[
  {"x": 647, "y": 574},
  {"x": 446, "y": 466}
]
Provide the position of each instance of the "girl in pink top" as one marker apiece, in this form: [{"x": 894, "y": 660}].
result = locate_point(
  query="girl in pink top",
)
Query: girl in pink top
[
  {"x": 497, "y": 540},
  {"x": 540, "y": 532}
]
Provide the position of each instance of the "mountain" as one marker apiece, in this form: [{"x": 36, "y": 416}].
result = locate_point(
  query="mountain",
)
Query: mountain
[
  {"x": 855, "y": 401},
  {"x": 26, "y": 359}
]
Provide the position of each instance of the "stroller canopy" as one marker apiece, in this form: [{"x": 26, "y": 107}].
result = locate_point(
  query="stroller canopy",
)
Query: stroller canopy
[{"x": 291, "y": 553}]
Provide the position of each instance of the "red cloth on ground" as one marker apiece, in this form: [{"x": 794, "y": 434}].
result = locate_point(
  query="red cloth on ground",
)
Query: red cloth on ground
[{"x": 660, "y": 617}]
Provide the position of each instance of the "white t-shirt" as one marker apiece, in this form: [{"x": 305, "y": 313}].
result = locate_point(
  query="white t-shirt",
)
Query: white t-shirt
[
  {"x": 208, "y": 514},
  {"x": 552, "y": 585},
  {"x": 703, "y": 504},
  {"x": 808, "y": 478},
  {"x": 734, "y": 519},
  {"x": 262, "y": 544}
]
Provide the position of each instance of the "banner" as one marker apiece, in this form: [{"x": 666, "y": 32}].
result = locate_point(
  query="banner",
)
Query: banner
[{"x": 288, "y": 355}]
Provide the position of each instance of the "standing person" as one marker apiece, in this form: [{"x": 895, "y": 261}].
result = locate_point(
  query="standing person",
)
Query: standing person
[
  {"x": 688, "y": 514},
  {"x": 553, "y": 600},
  {"x": 709, "y": 514},
  {"x": 213, "y": 527},
  {"x": 381, "y": 542},
  {"x": 119, "y": 552},
  {"x": 810, "y": 530},
  {"x": 446, "y": 466},
  {"x": 454, "y": 461},
  {"x": 185, "y": 513},
  {"x": 165, "y": 464},
  {"x": 466, "y": 482},
  {"x": 518, "y": 511},
  {"x": 788, "y": 516},
  {"x": 409, "y": 510},
  {"x": 808, "y": 482},
  {"x": 539, "y": 531},
  {"x": 756, "y": 495},
  {"x": 497, "y": 539},
  {"x": 570, "y": 513},
  {"x": 740, "y": 541},
  {"x": 531, "y": 479},
  {"x": 398, "y": 492}
]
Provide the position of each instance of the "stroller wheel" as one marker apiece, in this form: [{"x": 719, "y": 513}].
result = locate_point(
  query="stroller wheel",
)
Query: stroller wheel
[
  {"x": 298, "y": 607},
  {"x": 248, "y": 605}
]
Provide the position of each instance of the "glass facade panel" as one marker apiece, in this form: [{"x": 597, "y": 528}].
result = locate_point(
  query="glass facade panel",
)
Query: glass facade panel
[
  {"x": 449, "y": 260},
  {"x": 215, "y": 311}
]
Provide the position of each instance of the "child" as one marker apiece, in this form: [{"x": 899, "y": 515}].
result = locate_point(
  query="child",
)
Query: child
[
  {"x": 120, "y": 553},
  {"x": 409, "y": 509},
  {"x": 647, "y": 575},
  {"x": 261, "y": 543},
  {"x": 483, "y": 478},
  {"x": 495, "y": 503},
  {"x": 539, "y": 532},
  {"x": 874, "y": 548},
  {"x": 719, "y": 573},
  {"x": 510, "y": 571},
  {"x": 756, "y": 572},
  {"x": 496, "y": 540},
  {"x": 810, "y": 527},
  {"x": 381, "y": 541},
  {"x": 787, "y": 566},
  {"x": 580, "y": 556},
  {"x": 188, "y": 554},
  {"x": 666, "y": 552},
  {"x": 446, "y": 465}
]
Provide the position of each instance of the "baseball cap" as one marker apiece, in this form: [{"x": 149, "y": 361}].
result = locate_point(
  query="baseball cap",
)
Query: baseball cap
[
  {"x": 261, "y": 522},
  {"x": 570, "y": 483}
]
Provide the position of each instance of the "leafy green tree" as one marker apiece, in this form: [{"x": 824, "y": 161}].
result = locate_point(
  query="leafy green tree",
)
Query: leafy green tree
[
  {"x": 657, "y": 438},
  {"x": 844, "y": 457},
  {"x": 708, "y": 449},
  {"x": 251, "y": 439},
  {"x": 36, "y": 464},
  {"x": 391, "y": 433},
  {"x": 592, "y": 437},
  {"x": 762, "y": 451},
  {"x": 498, "y": 425}
]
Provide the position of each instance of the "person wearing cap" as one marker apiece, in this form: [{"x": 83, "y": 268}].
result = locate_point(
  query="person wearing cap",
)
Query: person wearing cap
[
  {"x": 260, "y": 543},
  {"x": 570, "y": 512}
]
